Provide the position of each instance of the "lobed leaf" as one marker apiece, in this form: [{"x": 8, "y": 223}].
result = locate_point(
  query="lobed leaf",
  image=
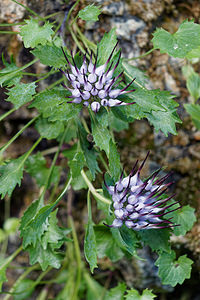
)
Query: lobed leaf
[
  {"x": 32, "y": 34},
  {"x": 50, "y": 55},
  {"x": 173, "y": 271},
  {"x": 179, "y": 44},
  {"x": 90, "y": 249},
  {"x": 49, "y": 130},
  {"x": 114, "y": 161},
  {"x": 134, "y": 294},
  {"x": 106, "y": 245},
  {"x": 157, "y": 239},
  {"x": 11, "y": 174},
  {"x": 185, "y": 217},
  {"x": 21, "y": 94},
  {"x": 116, "y": 293},
  {"x": 90, "y": 13}
]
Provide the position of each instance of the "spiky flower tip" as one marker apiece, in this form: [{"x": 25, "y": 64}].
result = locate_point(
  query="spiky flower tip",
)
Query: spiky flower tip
[
  {"x": 95, "y": 86},
  {"x": 138, "y": 204}
]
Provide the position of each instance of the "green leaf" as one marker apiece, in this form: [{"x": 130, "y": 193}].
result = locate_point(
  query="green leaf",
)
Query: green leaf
[
  {"x": 7, "y": 78},
  {"x": 11, "y": 174},
  {"x": 195, "y": 53},
  {"x": 106, "y": 46},
  {"x": 134, "y": 295},
  {"x": 53, "y": 105},
  {"x": 185, "y": 217},
  {"x": 77, "y": 164},
  {"x": 180, "y": 43},
  {"x": 164, "y": 121},
  {"x": 125, "y": 238},
  {"x": 193, "y": 85},
  {"x": 49, "y": 130},
  {"x": 32, "y": 34},
  {"x": 89, "y": 153},
  {"x": 21, "y": 93},
  {"x": 117, "y": 124},
  {"x": 173, "y": 271},
  {"x": 101, "y": 135},
  {"x": 114, "y": 161},
  {"x": 94, "y": 289},
  {"x": 24, "y": 289},
  {"x": 194, "y": 111},
  {"x": 47, "y": 257},
  {"x": 134, "y": 72},
  {"x": 50, "y": 55},
  {"x": 3, "y": 277},
  {"x": 36, "y": 167},
  {"x": 54, "y": 233},
  {"x": 90, "y": 13},
  {"x": 157, "y": 239},
  {"x": 106, "y": 245},
  {"x": 37, "y": 223},
  {"x": 90, "y": 249},
  {"x": 116, "y": 293}
]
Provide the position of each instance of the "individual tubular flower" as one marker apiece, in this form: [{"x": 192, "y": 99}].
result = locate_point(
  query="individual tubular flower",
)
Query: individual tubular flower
[
  {"x": 141, "y": 204},
  {"x": 95, "y": 86}
]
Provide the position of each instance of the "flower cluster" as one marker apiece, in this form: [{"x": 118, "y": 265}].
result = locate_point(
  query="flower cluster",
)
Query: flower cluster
[
  {"x": 138, "y": 204},
  {"x": 95, "y": 85}
]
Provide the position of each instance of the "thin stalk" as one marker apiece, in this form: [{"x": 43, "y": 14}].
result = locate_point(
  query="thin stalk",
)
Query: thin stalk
[
  {"x": 78, "y": 258},
  {"x": 17, "y": 135},
  {"x": 29, "y": 10},
  {"x": 8, "y": 32},
  {"x": 143, "y": 55},
  {"x": 32, "y": 148},
  {"x": 73, "y": 7},
  {"x": 86, "y": 42},
  {"x": 49, "y": 151},
  {"x": 19, "y": 69},
  {"x": 8, "y": 260},
  {"x": 55, "y": 83},
  {"x": 7, "y": 113},
  {"x": 19, "y": 280},
  {"x": 93, "y": 190},
  {"x": 46, "y": 75},
  {"x": 76, "y": 40},
  {"x": 6, "y": 216},
  {"x": 11, "y": 24},
  {"x": 52, "y": 15},
  {"x": 54, "y": 161}
]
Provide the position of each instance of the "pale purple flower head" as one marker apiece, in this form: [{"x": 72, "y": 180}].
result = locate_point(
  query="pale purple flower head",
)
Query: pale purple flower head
[
  {"x": 95, "y": 86},
  {"x": 138, "y": 204}
]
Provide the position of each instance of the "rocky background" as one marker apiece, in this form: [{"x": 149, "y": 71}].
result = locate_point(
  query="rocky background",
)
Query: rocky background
[{"x": 135, "y": 20}]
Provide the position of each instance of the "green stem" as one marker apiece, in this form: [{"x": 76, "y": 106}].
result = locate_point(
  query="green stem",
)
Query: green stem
[
  {"x": 73, "y": 7},
  {"x": 10, "y": 258},
  {"x": 143, "y": 55},
  {"x": 29, "y": 10},
  {"x": 78, "y": 258},
  {"x": 7, "y": 113},
  {"x": 11, "y": 24},
  {"x": 55, "y": 83},
  {"x": 17, "y": 135},
  {"x": 6, "y": 216},
  {"x": 87, "y": 43},
  {"x": 32, "y": 148},
  {"x": 19, "y": 280},
  {"x": 54, "y": 161},
  {"x": 8, "y": 32},
  {"x": 11, "y": 74},
  {"x": 93, "y": 190},
  {"x": 63, "y": 192},
  {"x": 76, "y": 40}
]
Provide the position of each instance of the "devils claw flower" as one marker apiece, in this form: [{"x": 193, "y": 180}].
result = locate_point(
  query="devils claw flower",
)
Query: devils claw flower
[
  {"x": 95, "y": 86},
  {"x": 138, "y": 204}
]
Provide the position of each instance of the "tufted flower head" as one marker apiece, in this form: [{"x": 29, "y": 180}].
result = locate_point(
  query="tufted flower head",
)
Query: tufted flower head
[
  {"x": 95, "y": 86},
  {"x": 141, "y": 204}
]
